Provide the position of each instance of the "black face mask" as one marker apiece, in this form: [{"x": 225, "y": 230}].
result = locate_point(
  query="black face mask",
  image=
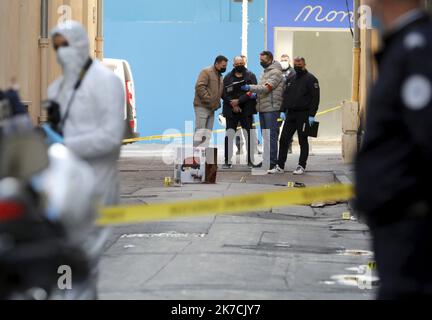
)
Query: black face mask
[
  {"x": 299, "y": 70},
  {"x": 240, "y": 69},
  {"x": 265, "y": 65},
  {"x": 222, "y": 71}
]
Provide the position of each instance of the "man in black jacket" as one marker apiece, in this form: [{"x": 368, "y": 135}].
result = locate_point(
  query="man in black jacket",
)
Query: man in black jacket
[
  {"x": 301, "y": 102},
  {"x": 393, "y": 168},
  {"x": 238, "y": 108}
]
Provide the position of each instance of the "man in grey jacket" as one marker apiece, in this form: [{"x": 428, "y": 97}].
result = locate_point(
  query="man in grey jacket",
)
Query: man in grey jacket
[{"x": 270, "y": 95}]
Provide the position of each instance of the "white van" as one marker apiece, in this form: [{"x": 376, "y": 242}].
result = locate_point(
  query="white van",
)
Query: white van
[{"x": 122, "y": 69}]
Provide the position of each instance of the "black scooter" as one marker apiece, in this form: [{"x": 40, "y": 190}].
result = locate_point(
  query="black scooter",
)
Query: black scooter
[{"x": 49, "y": 246}]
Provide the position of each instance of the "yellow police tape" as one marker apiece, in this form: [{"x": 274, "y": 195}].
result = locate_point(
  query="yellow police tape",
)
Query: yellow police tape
[
  {"x": 328, "y": 111},
  {"x": 181, "y": 135},
  {"x": 160, "y": 137},
  {"x": 224, "y": 205}
]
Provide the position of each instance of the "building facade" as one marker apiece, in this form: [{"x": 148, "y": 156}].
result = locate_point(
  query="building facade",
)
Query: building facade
[
  {"x": 168, "y": 42},
  {"x": 319, "y": 31},
  {"x": 26, "y": 53}
]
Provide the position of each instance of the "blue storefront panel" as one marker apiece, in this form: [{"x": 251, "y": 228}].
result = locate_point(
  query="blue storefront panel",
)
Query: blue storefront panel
[
  {"x": 168, "y": 42},
  {"x": 307, "y": 14}
]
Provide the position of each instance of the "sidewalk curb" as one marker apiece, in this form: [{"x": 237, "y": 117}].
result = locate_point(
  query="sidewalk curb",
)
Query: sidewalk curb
[{"x": 342, "y": 177}]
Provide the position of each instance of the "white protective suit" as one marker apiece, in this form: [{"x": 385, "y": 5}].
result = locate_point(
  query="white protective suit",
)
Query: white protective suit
[{"x": 94, "y": 128}]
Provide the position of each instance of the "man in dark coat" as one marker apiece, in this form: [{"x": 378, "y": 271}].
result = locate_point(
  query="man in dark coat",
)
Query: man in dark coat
[
  {"x": 301, "y": 102},
  {"x": 393, "y": 168},
  {"x": 238, "y": 109}
]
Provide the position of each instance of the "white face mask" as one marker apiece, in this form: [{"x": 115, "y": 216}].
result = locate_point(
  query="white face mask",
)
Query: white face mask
[
  {"x": 285, "y": 65},
  {"x": 71, "y": 63},
  {"x": 69, "y": 58},
  {"x": 63, "y": 56}
]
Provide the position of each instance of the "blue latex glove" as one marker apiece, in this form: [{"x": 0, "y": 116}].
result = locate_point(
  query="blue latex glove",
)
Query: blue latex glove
[
  {"x": 246, "y": 87},
  {"x": 254, "y": 96},
  {"x": 52, "y": 136},
  {"x": 283, "y": 116},
  {"x": 311, "y": 120}
]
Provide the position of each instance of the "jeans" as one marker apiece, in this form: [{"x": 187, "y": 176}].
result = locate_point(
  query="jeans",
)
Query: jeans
[
  {"x": 204, "y": 121},
  {"x": 270, "y": 132}
]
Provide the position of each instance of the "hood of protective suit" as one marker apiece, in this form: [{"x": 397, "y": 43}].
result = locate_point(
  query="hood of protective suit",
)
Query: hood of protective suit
[{"x": 74, "y": 57}]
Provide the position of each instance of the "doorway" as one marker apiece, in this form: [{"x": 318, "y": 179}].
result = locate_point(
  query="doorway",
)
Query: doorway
[{"x": 328, "y": 54}]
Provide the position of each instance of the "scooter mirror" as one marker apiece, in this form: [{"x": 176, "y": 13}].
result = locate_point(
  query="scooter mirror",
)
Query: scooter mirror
[{"x": 22, "y": 156}]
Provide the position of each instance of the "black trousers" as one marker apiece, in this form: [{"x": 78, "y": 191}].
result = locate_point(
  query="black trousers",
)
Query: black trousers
[
  {"x": 294, "y": 122},
  {"x": 231, "y": 127},
  {"x": 403, "y": 252}
]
